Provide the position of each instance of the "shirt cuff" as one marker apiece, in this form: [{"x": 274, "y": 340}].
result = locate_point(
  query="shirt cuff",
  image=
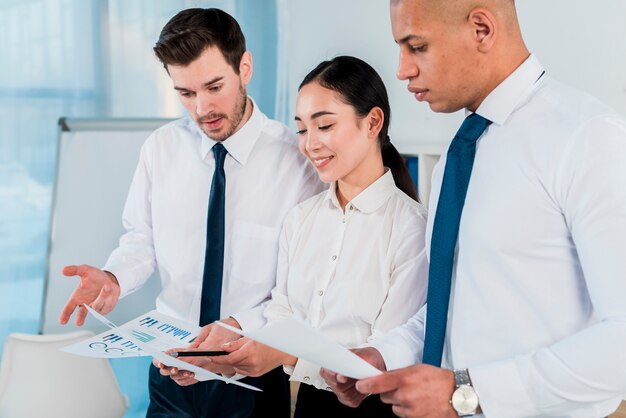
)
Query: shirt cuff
[
  {"x": 123, "y": 275},
  {"x": 396, "y": 351},
  {"x": 251, "y": 319},
  {"x": 309, "y": 373},
  {"x": 501, "y": 389}
]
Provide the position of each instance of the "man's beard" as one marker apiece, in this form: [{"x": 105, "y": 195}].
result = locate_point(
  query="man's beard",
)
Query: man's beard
[{"x": 233, "y": 120}]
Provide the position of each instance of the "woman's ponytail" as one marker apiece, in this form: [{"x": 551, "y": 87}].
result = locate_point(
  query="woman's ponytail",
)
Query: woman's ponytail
[{"x": 397, "y": 165}]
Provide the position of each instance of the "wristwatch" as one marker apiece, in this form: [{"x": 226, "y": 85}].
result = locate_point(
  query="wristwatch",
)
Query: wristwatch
[{"x": 464, "y": 399}]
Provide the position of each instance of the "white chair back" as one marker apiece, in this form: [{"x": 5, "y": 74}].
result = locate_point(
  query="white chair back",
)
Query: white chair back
[{"x": 38, "y": 380}]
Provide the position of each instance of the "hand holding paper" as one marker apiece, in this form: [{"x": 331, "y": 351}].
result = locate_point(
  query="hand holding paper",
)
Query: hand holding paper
[
  {"x": 296, "y": 337},
  {"x": 143, "y": 338},
  {"x": 251, "y": 358},
  {"x": 345, "y": 387}
]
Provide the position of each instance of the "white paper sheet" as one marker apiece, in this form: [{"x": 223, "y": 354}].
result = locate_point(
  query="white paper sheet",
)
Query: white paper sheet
[
  {"x": 296, "y": 337},
  {"x": 152, "y": 328},
  {"x": 150, "y": 334}
]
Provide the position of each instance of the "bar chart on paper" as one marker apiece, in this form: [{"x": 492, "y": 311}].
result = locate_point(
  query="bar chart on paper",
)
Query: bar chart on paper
[{"x": 158, "y": 331}]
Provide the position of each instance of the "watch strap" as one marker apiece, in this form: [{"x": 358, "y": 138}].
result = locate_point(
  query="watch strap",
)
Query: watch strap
[{"x": 461, "y": 377}]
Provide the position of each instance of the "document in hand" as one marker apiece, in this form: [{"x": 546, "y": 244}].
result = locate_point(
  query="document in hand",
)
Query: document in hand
[
  {"x": 296, "y": 337},
  {"x": 148, "y": 335}
]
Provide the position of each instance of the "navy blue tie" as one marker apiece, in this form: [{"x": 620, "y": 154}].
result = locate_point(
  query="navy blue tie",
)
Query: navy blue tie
[
  {"x": 214, "y": 255},
  {"x": 456, "y": 178}
]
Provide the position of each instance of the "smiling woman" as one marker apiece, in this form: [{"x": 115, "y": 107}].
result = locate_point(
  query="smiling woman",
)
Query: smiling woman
[{"x": 363, "y": 236}]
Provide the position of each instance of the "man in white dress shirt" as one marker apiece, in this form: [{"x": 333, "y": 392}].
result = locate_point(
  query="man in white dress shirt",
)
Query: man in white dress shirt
[
  {"x": 536, "y": 321},
  {"x": 203, "y": 51}
]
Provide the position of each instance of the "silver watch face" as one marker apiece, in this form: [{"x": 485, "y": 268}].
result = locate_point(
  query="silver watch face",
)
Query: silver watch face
[{"x": 465, "y": 400}]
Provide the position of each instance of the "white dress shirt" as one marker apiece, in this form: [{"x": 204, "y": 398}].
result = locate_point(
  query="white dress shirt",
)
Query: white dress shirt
[
  {"x": 353, "y": 275},
  {"x": 537, "y": 312},
  {"x": 166, "y": 211}
]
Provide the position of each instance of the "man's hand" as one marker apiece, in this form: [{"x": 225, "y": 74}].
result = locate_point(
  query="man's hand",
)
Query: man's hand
[
  {"x": 252, "y": 358},
  {"x": 185, "y": 377},
  {"x": 96, "y": 288},
  {"x": 182, "y": 377},
  {"x": 212, "y": 335},
  {"x": 344, "y": 387},
  {"x": 416, "y": 391}
]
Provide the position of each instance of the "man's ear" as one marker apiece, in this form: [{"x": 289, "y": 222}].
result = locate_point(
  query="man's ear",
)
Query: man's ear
[
  {"x": 245, "y": 67},
  {"x": 484, "y": 26}
]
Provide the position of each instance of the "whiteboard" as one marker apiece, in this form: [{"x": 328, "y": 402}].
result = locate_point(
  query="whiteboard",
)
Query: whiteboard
[{"x": 96, "y": 159}]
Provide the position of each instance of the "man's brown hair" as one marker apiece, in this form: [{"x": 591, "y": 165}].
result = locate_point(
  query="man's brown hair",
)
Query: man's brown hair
[{"x": 191, "y": 31}]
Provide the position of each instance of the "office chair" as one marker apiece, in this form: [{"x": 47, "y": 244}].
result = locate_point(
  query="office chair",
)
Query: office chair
[{"x": 39, "y": 380}]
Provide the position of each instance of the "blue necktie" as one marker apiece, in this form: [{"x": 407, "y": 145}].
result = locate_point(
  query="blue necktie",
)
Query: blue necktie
[
  {"x": 456, "y": 178},
  {"x": 214, "y": 254}
]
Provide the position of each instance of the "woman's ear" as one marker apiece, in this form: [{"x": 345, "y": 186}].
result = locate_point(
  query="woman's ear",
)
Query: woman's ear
[{"x": 374, "y": 120}]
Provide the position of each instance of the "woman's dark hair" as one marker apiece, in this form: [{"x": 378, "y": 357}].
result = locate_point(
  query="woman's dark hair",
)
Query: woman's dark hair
[
  {"x": 360, "y": 86},
  {"x": 191, "y": 31}
]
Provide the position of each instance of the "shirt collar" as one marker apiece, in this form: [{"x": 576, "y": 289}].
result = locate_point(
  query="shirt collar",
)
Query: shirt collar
[
  {"x": 372, "y": 198},
  {"x": 509, "y": 95},
  {"x": 240, "y": 144}
]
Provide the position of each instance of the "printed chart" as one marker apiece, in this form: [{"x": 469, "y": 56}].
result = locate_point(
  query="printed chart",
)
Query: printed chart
[{"x": 155, "y": 329}]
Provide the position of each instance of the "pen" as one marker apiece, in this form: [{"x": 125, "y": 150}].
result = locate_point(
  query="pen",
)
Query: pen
[{"x": 197, "y": 353}]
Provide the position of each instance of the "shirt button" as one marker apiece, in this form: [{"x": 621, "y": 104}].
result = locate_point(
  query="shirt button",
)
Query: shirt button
[
  {"x": 320, "y": 293},
  {"x": 306, "y": 378},
  {"x": 350, "y": 208},
  {"x": 334, "y": 257},
  {"x": 328, "y": 388}
]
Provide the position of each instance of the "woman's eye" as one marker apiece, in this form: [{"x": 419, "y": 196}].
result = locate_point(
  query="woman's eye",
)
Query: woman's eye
[
  {"x": 325, "y": 127},
  {"x": 301, "y": 132}
]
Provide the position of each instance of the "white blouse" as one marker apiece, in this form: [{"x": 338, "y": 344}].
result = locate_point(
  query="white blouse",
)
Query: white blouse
[{"x": 353, "y": 275}]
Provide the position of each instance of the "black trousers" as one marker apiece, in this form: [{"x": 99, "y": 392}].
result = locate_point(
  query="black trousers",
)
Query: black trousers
[
  {"x": 317, "y": 403},
  {"x": 216, "y": 399}
]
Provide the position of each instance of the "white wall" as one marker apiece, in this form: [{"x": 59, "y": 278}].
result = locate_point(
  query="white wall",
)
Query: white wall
[{"x": 580, "y": 42}]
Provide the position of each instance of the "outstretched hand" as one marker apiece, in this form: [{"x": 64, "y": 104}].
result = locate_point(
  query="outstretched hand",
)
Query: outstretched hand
[{"x": 97, "y": 288}]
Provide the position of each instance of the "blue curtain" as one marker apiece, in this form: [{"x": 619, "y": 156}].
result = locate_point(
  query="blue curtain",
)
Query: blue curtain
[{"x": 85, "y": 58}]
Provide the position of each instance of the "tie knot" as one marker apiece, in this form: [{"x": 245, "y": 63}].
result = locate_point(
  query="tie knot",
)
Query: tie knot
[
  {"x": 473, "y": 126},
  {"x": 219, "y": 152}
]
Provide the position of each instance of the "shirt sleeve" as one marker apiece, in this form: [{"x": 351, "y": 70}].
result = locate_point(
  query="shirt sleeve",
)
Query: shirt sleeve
[
  {"x": 403, "y": 345},
  {"x": 252, "y": 318},
  {"x": 308, "y": 373},
  {"x": 133, "y": 261},
  {"x": 408, "y": 285},
  {"x": 585, "y": 370},
  {"x": 278, "y": 307}
]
